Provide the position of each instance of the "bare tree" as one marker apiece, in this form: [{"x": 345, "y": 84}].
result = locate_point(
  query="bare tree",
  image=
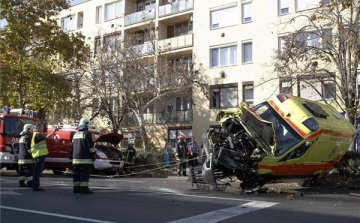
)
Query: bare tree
[
  {"x": 322, "y": 55},
  {"x": 131, "y": 73}
]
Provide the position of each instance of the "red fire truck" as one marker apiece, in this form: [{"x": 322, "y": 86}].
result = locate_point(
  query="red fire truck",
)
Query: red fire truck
[{"x": 12, "y": 122}]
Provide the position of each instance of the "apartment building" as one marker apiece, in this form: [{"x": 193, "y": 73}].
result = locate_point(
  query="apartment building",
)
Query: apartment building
[{"x": 233, "y": 39}]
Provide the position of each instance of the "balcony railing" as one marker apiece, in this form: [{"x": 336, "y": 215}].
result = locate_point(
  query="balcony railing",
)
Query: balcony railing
[
  {"x": 139, "y": 17},
  {"x": 176, "y": 116},
  {"x": 176, "y": 42},
  {"x": 176, "y": 7},
  {"x": 131, "y": 120},
  {"x": 142, "y": 49}
]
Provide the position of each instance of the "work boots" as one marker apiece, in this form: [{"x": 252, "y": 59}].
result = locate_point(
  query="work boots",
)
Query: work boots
[
  {"x": 22, "y": 183},
  {"x": 85, "y": 190}
]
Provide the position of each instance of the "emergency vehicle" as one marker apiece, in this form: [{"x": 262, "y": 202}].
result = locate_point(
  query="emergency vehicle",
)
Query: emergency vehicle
[
  {"x": 285, "y": 138},
  {"x": 108, "y": 157},
  {"x": 12, "y": 122}
]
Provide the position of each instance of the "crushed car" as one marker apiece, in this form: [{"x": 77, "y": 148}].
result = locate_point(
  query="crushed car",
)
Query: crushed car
[{"x": 285, "y": 138}]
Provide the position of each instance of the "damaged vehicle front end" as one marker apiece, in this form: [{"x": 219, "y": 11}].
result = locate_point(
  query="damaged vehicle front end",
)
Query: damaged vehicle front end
[{"x": 267, "y": 143}]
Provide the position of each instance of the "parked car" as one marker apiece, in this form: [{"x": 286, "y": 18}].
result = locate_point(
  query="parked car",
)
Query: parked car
[
  {"x": 285, "y": 138},
  {"x": 108, "y": 157}
]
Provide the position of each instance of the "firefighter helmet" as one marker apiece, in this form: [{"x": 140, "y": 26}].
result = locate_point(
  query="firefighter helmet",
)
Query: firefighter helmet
[
  {"x": 181, "y": 136},
  {"x": 84, "y": 123},
  {"x": 27, "y": 128}
]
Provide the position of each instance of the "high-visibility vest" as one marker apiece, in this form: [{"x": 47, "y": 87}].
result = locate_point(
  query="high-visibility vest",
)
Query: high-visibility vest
[{"x": 38, "y": 149}]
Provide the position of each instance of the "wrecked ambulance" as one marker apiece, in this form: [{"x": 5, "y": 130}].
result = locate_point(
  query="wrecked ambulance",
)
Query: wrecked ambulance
[{"x": 283, "y": 138}]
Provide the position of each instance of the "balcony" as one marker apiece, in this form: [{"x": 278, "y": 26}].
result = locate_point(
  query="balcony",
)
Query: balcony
[
  {"x": 176, "y": 42},
  {"x": 175, "y": 116},
  {"x": 138, "y": 17},
  {"x": 176, "y": 7},
  {"x": 141, "y": 50},
  {"x": 131, "y": 120}
]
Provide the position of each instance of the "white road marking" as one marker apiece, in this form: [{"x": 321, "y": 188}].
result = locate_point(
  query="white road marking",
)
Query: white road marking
[
  {"x": 9, "y": 193},
  {"x": 223, "y": 214},
  {"x": 55, "y": 215}
]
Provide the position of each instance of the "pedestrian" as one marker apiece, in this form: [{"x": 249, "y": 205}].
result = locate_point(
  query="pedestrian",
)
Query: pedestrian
[
  {"x": 25, "y": 160},
  {"x": 83, "y": 157},
  {"x": 181, "y": 153},
  {"x": 39, "y": 152},
  {"x": 193, "y": 152},
  {"x": 168, "y": 153},
  {"x": 130, "y": 158}
]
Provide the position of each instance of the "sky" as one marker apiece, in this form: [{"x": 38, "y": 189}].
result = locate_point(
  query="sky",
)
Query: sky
[{"x": 75, "y": 2}]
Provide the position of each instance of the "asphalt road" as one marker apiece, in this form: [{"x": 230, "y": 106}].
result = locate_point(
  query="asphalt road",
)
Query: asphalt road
[{"x": 172, "y": 199}]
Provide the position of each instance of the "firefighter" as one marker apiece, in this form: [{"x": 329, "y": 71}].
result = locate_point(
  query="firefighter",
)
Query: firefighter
[
  {"x": 83, "y": 157},
  {"x": 181, "y": 153},
  {"x": 39, "y": 152},
  {"x": 25, "y": 161}
]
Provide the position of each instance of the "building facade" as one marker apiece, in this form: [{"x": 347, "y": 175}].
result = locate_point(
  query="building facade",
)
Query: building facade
[{"x": 234, "y": 40}]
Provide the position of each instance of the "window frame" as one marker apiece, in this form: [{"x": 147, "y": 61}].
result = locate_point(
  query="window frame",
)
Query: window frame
[
  {"x": 71, "y": 24},
  {"x": 215, "y": 95},
  {"x": 99, "y": 14},
  {"x": 284, "y": 4},
  {"x": 245, "y": 87},
  {"x": 244, "y": 52},
  {"x": 222, "y": 12},
  {"x": 115, "y": 12},
  {"x": 232, "y": 57},
  {"x": 247, "y": 19}
]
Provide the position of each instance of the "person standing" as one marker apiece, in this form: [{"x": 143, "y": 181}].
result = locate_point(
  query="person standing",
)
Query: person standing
[
  {"x": 25, "y": 160},
  {"x": 193, "y": 152},
  {"x": 181, "y": 153},
  {"x": 39, "y": 152},
  {"x": 130, "y": 158},
  {"x": 83, "y": 157}
]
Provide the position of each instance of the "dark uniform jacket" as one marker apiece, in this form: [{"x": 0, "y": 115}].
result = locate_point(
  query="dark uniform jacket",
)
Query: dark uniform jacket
[
  {"x": 24, "y": 156},
  {"x": 181, "y": 149},
  {"x": 82, "y": 148},
  {"x": 130, "y": 155}
]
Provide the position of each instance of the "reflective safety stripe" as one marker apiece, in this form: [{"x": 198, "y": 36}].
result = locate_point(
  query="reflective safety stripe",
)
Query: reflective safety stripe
[
  {"x": 79, "y": 136},
  {"x": 25, "y": 161},
  {"x": 76, "y": 184},
  {"x": 21, "y": 178},
  {"x": 29, "y": 178},
  {"x": 21, "y": 140},
  {"x": 84, "y": 184},
  {"x": 82, "y": 161},
  {"x": 38, "y": 149}
]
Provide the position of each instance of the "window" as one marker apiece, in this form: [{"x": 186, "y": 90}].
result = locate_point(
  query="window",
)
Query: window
[
  {"x": 183, "y": 104},
  {"x": 248, "y": 93},
  {"x": 112, "y": 42},
  {"x": 310, "y": 89},
  {"x": 328, "y": 90},
  {"x": 97, "y": 47},
  {"x": 224, "y": 56},
  {"x": 284, "y": 7},
  {"x": 68, "y": 23},
  {"x": 179, "y": 29},
  {"x": 99, "y": 14},
  {"x": 282, "y": 40},
  {"x": 247, "y": 12},
  {"x": 113, "y": 10},
  {"x": 309, "y": 4},
  {"x": 223, "y": 18},
  {"x": 286, "y": 86},
  {"x": 180, "y": 64},
  {"x": 247, "y": 53},
  {"x": 224, "y": 96},
  {"x": 80, "y": 20},
  {"x": 111, "y": 104},
  {"x": 146, "y": 5}
]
